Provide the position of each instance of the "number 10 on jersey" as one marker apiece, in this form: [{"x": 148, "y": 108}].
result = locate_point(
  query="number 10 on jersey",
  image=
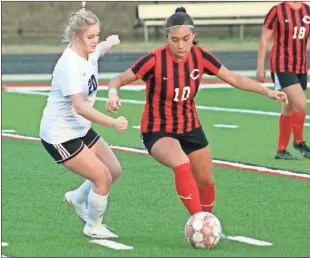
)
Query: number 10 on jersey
[{"x": 185, "y": 94}]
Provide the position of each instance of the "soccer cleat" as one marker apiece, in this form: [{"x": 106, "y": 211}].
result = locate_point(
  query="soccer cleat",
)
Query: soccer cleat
[
  {"x": 100, "y": 231},
  {"x": 80, "y": 209},
  {"x": 285, "y": 155},
  {"x": 303, "y": 148}
]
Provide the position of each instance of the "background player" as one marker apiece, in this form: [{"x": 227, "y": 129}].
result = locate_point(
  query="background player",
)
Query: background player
[
  {"x": 65, "y": 129},
  {"x": 289, "y": 24},
  {"x": 170, "y": 127}
]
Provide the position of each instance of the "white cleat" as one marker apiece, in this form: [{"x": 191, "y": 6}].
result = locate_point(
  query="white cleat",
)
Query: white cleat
[
  {"x": 100, "y": 231},
  {"x": 80, "y": 209}
]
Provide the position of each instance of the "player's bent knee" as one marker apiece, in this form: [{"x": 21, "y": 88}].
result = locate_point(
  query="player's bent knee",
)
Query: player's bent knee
[
  {"x": 300, "y": 107},
  {"x": 102, "y": 177},
  {"x": 175, "y": 161},
  {"x": 206, "y": 179},
  {"x": 116, "y": 172}
]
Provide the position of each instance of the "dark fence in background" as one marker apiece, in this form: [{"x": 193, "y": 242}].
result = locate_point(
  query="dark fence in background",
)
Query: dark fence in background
[{"x": 114, "y": 62}]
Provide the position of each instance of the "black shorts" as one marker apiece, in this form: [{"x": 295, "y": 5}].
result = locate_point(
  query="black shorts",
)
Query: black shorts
[
  {"x": 190, "y": 142},
  {"x": 62, "y": 152},
  {"x": 286, "y": 79}
]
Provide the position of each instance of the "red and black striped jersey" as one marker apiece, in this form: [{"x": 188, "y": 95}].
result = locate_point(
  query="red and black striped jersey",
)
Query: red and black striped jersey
[
  {"x": 171, "y": 86},
  {"x": 291, "y": 29}
]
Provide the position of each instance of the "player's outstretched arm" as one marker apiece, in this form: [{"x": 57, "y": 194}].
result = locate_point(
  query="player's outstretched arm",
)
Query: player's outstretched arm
[
  {"x": 247, "y": 84},
  {"x": 93, "y": 115},
  {"x": 110, "y": 42},
  {"x": 115, "y": 84},
  {"x": 261, "y": 56},
  {"x": 105, "y": 46}
]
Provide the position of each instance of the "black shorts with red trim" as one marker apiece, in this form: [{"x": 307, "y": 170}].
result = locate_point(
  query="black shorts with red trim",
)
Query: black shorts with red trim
[
  {"x": 65, "y": 151},
  {"x": 190, "y": 141}
]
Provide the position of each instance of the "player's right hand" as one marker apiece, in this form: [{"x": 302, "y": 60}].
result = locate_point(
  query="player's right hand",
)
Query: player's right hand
[
  {"x": 113, "y": 40},
  {"x": 120, "y": 124},
  {"x": 261, "y": 75},
  {"x": 113, "y": 103}
]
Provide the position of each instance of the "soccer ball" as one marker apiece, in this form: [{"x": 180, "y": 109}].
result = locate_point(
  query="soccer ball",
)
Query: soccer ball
[{"x": 203, "y": 230}]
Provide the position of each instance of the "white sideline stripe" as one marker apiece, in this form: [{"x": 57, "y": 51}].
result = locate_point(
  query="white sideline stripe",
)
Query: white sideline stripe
[
  {"x": 226, "y": 126},
  {"x": 308, "y": 101},
  {"x": 136, "y": 126},
  {"x": 142, "y": 102},
  {"x": 249, "y": 240},
  {"x": 4, "y": 244},
  {"x": 228, "y": 164},
  {"x": 138, "y": 87},
  {"x": 8, "y": 131},
  {"x": 30, "y": 77},
  {"x": 307, "y": 125},
  {"x": 111, "y": 244}
]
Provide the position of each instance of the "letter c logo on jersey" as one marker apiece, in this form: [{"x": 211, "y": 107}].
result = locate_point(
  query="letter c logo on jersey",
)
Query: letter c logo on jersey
[
  {"x": 306, "y": 19},
  {"x": 194, "y": 74}
]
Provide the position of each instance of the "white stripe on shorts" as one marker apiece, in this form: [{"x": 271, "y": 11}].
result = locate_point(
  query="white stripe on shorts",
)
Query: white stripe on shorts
[
  {"x": 62, "y": 151},
  {"x": 277, "y": 84}
]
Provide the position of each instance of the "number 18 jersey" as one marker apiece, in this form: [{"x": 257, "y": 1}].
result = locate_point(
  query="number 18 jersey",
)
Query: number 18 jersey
[{"x": 291, "y": 29}]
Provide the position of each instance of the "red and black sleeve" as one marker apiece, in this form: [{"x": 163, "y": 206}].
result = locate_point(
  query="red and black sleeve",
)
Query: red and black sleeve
[{"x": 144, "y": 67}]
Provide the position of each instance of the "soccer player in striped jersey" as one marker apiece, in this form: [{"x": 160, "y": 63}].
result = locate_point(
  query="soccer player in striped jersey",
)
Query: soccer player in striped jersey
[
  {"x": 65, "y": 129},
  {"x": 170, "y": 127},
  {"x": 289, "y": 24}
]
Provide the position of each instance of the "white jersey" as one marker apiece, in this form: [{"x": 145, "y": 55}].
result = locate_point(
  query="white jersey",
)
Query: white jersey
[{"x": 72, "y": 74}]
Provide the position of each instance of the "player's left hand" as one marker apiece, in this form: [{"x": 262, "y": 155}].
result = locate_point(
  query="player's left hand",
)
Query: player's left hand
[
  {"x": 278, "y": 96},
  {"x": 113, "y": 40},
  {"x": 113, "y": 103}
]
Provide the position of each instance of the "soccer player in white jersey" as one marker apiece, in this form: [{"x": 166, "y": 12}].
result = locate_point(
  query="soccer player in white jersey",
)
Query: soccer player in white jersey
[{"x": 65, "y": 129}]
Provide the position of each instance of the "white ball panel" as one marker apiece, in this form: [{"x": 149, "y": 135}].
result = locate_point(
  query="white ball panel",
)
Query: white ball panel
[
  {"x": 200, "y": 215},
  {"x": 217, "y": 239},
  {"x": 197, "y": 237},
  {"x": 211, "y": 239},
  {"x": 198, "y": 224},
  {"x": 200, "y": 245},
  {"x": 217, "y": 230}
]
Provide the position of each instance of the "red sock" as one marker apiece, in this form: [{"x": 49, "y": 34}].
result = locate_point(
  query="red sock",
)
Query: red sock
[
  {"x": 187, "y": 188},
  {"x": 285, "y": 129},
  {"x": 298, "y": 120},
  {"x": 207, "y": 196}
]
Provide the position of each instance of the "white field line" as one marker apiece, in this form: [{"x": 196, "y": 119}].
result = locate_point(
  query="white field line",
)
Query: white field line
[
  {"x": 8, "y": 131},
  {"x": 198, "y": 107},
  {"x": 4, "y": 244},
  {"x": 223, "y": 163},
  {"x": 226, "y": 126},
  {"x": 37, "y": 77},
  {"x": 132, "y": 87},
  {"x": 111, "y": 244},
  {"x": 248, "y": 240}
]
